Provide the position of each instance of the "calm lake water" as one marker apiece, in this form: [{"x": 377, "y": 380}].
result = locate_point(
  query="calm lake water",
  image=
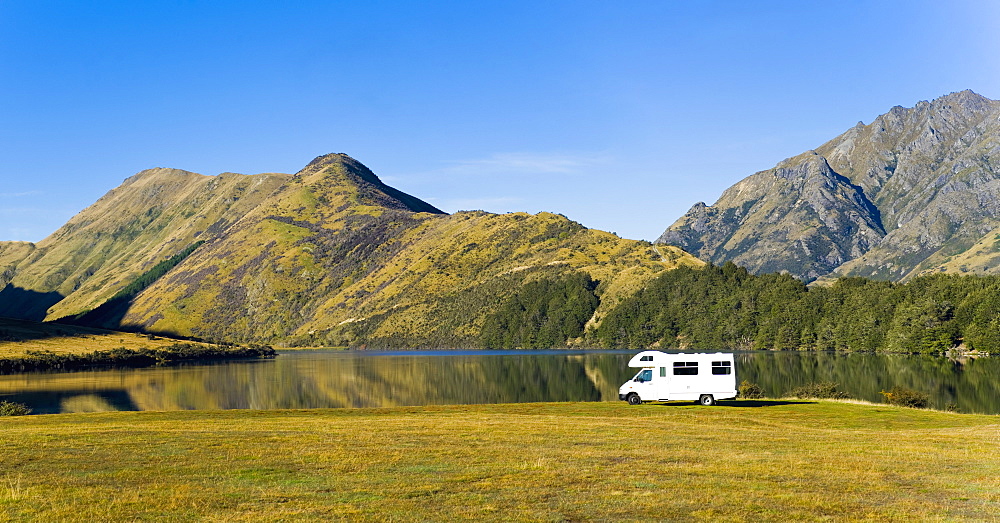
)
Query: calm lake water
[{"x": 314, "y": 379}]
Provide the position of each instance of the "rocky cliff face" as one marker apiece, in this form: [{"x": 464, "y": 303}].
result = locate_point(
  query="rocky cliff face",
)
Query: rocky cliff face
[{"x": 903, "y": 195}]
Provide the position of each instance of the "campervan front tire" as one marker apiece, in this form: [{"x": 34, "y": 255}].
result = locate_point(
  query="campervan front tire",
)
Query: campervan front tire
[
  {"x": 706, "y": 400},
  {"x": 633, "y": 399}
]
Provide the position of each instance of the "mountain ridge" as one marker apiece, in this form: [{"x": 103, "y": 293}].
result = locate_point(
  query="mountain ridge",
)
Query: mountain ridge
[
  {"x": 889, "y": 200},
  {"x": 329, "y": 255}
]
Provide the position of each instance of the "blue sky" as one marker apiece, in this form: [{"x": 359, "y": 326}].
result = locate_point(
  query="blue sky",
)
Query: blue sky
[{"x": 620, "y": 115}]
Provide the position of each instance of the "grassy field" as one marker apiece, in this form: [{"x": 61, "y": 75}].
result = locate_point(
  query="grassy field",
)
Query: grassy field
[
  {"x": 17, "y": 337},
  {"x": 764, "y": 460}
]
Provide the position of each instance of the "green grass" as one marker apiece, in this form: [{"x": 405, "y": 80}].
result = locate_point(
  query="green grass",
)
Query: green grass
[{"x": 763, "y": 460}]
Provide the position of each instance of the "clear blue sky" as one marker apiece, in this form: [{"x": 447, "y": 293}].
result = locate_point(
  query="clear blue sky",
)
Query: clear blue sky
[{"x": 619, "y": 115}]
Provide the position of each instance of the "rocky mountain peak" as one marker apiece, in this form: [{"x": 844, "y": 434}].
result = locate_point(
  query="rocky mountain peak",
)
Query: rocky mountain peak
[
  {"x": 966, "y": 100},
  {"x": 883, "y": 200}
]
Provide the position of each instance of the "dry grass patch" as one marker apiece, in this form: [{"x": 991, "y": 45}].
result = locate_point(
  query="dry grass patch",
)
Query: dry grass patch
[{"x": 17, "y": 337}]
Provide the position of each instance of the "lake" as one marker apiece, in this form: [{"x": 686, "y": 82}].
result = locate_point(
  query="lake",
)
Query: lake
[{"x": 320, "y": 379}]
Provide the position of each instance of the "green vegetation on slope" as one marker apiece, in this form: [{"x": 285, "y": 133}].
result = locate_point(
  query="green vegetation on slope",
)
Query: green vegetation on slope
[
  {"x": 760, "y": 460},
  {"x": 110, "y": 313},
  {"x": 542, "y": 314},
  {"x": 158, "y": 270},
  {"x": 726, "y": 307}
]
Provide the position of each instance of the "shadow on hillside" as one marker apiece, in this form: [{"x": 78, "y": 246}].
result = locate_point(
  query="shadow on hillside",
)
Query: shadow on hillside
[
  {"x": 108, "y": 315},
  {"x": 25, "y": 304},
  {"x": 22, "y": 312},
  {"x": 18, "y": 330}
]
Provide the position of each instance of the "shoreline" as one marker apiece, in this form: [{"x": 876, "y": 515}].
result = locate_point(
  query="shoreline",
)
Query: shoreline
[{"x": 34, "y": 361}]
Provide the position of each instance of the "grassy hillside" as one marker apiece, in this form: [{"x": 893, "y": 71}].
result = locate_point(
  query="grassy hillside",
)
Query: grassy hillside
[
  {"x": 11, "y": 253},
  {"x": 767, "y": 460},
  {"x": 982, "y": 257},
  {"x": 18, "y": 337},
  {"x": 389, "y": 278},
  {"x": 149, "y": 218},
  {"x": 328, "y": 256}
]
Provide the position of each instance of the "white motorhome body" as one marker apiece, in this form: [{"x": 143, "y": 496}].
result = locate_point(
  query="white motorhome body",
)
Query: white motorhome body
[{"x": 705, "y": 378}]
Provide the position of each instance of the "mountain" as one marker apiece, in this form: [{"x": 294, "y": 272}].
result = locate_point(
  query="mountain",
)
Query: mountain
[
  {"x": 915, "y": 191},
  {"x": 327, "y": 256}
]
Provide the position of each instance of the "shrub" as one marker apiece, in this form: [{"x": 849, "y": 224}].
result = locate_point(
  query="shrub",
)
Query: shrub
[
  {"x": 907, "y": 397},
  {"x": 824, "y": 390},
  {"x": 750, "y": 391},
  {"x": 9, "y": 408}
]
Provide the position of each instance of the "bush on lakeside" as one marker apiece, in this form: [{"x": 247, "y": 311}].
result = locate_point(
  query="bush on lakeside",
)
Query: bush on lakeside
[
  {"x": 824, "y": 390},
  {"x": 907, "y": 397},
  {"x": 9, "y": 408},
  {"x": 750, "y": 391}
]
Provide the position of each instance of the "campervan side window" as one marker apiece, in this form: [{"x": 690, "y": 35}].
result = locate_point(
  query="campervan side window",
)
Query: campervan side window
[
  {"x": 722, "y": 367},
  {"x": 663, "y": 372},
  {"x": 646, "y": 358},
  {"x": 685, "y": 368}
]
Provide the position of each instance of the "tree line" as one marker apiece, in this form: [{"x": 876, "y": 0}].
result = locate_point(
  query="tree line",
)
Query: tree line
[
  {"x": 542, "y": 314},
  {"x": 726, "y": 307}
]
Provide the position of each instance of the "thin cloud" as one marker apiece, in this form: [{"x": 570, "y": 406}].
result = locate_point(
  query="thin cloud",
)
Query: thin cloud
[
  {"x": 502, "y": 204},
  {"x": 19, "y": 194},
  {"x": 21, "y": 211},
  {"x": 505, "y": 164},
  {"x": 526, "y": 163},
  {"x": 22, "y": 234}
]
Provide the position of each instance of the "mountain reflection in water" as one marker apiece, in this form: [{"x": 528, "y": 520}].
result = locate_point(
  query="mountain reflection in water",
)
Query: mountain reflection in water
[{"x": 322, "y": 379}]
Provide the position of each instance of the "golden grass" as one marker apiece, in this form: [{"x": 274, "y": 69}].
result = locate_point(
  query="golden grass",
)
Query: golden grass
[
  {"x": 68, "y": 339},
  {"x": 980, "y": 258},
  {"x": 764, "y": 460}
]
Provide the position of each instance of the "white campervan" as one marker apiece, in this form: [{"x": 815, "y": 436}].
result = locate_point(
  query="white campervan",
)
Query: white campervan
[{"x": 704, "y": 378}]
